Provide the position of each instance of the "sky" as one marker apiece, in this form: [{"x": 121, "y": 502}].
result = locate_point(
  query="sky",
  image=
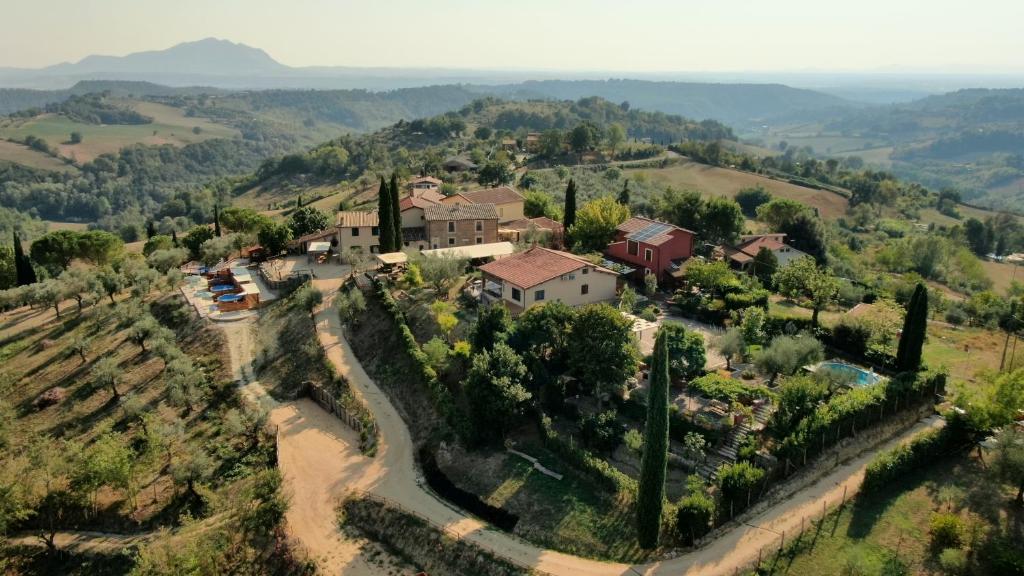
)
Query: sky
[{"x": 979, "y": 36}]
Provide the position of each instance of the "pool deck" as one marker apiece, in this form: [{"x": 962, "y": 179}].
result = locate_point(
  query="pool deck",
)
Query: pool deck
[{"x": 197, "y": 294}]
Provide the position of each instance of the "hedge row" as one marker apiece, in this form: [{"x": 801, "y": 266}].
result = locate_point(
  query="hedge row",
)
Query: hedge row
[
  {"x": 440, "y": 396},
  {"x": 890, "y": 466},
  {"x": 597, "y": 469},
  {"x": 843, "y": 413}
]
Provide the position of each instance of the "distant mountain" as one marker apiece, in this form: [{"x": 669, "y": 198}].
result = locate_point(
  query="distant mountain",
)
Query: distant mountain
[{"x": 210, "y": 56}]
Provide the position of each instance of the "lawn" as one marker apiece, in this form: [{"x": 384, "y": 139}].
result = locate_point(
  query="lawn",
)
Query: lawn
[
  {"x": 169, "y": 126},
  {"x": 963, "y": 351},
  {"x": 1002, "y": 274},
  {"x": 862, "y": 536},
  {"x": 726, "y": 182}
]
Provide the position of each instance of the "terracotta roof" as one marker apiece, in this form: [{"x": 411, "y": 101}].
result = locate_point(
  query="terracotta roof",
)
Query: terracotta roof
[
  {"x": 460, "y": 212},
  {"x": 415, "y": 201},
  {"x": 536, "y": 266},
  {"x": 355, "y": 219},
  {"x": 541, "y": 222},
  {"x": 426, "y": 179},
  {"x": 456, "y": 198},
  {"x": 312, "y": 236},
  {"x": 649, "y": 231},
  {"x": 499, "y": 195}
]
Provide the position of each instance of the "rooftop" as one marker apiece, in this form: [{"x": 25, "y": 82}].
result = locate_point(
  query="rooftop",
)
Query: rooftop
[
  {"x": 425, "y": 180},
  {"x": 648, "y": 231},
  {"x": 491, "y": 250},
  {"x": 355, "y": 218},
  {"x": 419, "y": 201},
  {"x": 541, "y": 222},
  {"x": 499, "y": 195},
  {"x": 460, "y": 212},
  {"x": 536, "y": 266}
]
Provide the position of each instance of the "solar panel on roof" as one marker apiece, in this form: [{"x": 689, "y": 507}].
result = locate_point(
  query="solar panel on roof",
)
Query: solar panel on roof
[{"x": 649, "y": 231}]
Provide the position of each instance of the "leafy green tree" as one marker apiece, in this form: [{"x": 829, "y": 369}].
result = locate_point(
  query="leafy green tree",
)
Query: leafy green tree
[
  {"x": 495, "y": 173},
  {"x": 616, "y": 136},
  {"x": 542, "y": 336},
  {"x": 274, "y": 238},
  {"x": 147, "y": 329},
  {"x": 76, "y": 137},
  {"x": 624, "y": 194},
  {"x": 732, "y": 345},
  {"x": 750, "y": 199},
  {"x": 537, "y": 204},
  {"x": 440, "y": 271},
  {"x": 780, "y": 212},
  {"x": 569, "y": 216},
  {"x": 22, "y": 265},
  {"x": 438, "y": 353},
  {"x": 216, "y": 221},
  {"x": 165, "y": 260},
  {"x": 194, "y": 239},
  {"x": 806, "y": 233},
  {"x": 602, "y": 352},
  {"x": 8, "y": 270},
  {"x": 396, "y": 213},
  {"x": 244, "y": 220},
  {"x": 596, "y": 222},
  {"x": 584, "y": 136},
  {"x": 1008, "y": 461},
  {"x": 654, "y": 463},
  {"x": 49, "y": 293},
  {"x": 803, "y": 278},
  {"x": 496, "y": 391},
  {"x": 386, "y": 222},
  {"x": 351, "y": 305},
  {"x": 915, "y": 324},
  {"x": 157, "y": 242},
  {"x": 737, "y": 483},
  {"x": 752, "y": 325},
  {"x": 106, "y": 374},
  {"x": 680, "y": 207},
  {"x": 483, "y": 133},
  {"x": 797, "y": 398},
  {"x": 81, "y": 284},
  {"x": 307, "y": 220},
  {"x": 686, "y": 354},
  {"x": 493, "y": 325},
  {"x": 309, "y": 298},
  {"x": 710, "y": 277},
  {"x": 787, "y": 354},
  {"x": 56, "y": 250},
  {"x": 192, "y": 466},
  {"x": 764, "y": 265},
  {"x": 552, "y": 143},
  {"x": 721, "y": 220},
  {"x": 601, "y": 431}
]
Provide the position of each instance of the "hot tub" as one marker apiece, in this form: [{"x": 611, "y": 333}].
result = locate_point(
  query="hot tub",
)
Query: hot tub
[
  {"x": 231, "y": 298},
  {"x": 222, "y": 287}
]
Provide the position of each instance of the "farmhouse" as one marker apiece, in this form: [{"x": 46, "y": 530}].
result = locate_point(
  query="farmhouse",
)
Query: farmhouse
[
  {"x": 541, "y": 275},
  {"x": 532, "y": 142},
  {"x": 651, "y": 247},
  {"x": 506, "y": 200},
  {"x": 421, "y": 183},
  {"x": 357, "y": 230},
  {"x": 302, "y": 243},
  {"x": 742, "y": 255},
  {"x": 450, "y": 225}
]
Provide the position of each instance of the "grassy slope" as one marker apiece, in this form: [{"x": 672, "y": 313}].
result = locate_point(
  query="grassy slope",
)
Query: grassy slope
[
  {"x": 19, "y": 154},
  {"x": 169, "y": 126},
  {"x": 898, "y": 521}
]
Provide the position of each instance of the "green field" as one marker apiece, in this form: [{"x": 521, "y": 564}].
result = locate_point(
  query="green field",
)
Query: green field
[
  {"x": 726, "y": 182},
  {"x": 20, "y": 154},
  {"x": 169, "y": 126},
  {"x": 862, "y": 536}
]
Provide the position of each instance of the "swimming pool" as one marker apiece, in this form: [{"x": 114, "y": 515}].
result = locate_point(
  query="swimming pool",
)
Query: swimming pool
[
  {"x": 230, "y": 298},
  {"x": 857, "y": 375},
  {"x": 222, "y": 287}
]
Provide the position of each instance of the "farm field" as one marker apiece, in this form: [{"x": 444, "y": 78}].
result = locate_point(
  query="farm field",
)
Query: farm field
[
  {"x": 861, "y": 537},
  {"x": 21, "y": 154},
  {"x": 1002, "y": 274},
  {"x": 169, "y": 126},
  {"x": 726, "y": 182}
]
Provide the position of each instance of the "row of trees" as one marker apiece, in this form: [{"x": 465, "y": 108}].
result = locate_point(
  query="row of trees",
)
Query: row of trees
[{"x": 389, "y": 216}]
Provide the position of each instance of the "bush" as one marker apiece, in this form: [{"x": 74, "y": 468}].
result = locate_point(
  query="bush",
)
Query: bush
[
  {"x": 892, "y": 465},
  {"x": 953, "y": 561},
  {"x": 606, "y": 475},
  {"x": 718, "y": 387},
  {"x": 601, "y": 431},
  {"x": 737, "y": 483},
  {"x": 946, "y": 531},
  {"x": 694, "y": 516}
]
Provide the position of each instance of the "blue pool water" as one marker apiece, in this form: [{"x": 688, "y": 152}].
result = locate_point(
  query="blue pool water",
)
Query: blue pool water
[
  {"x": 230, "y": 298},
  {"x": 222, "y": 287},
  {"x": 860, "y": 376}
]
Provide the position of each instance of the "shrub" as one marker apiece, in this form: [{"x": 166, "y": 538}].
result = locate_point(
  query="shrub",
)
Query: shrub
[
  {"x": 953, "y": 561},
  {"x": 606, "y": 475},
  {"x": 893, "y": 464},
  {"x": 718, "y": 387},
  {"x": 946, "y": 531},
  {"x": 694, "y": 516},
  {"x": 737, "y": 482},
  {"x": 601, "y": 431}
]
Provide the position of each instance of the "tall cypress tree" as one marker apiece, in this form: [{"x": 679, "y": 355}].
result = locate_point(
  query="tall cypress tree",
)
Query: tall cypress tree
[
  {"x": 653, "y": 465},
  {"x": 150, "y": 229},
  {"x": 174, "y": 238},
  {"x": 624, "y": 194},
  {"x": 396, "y": 212},
  {"x": 24, "y": 273},
  {"x": 216, "y": 221},
  {"x": 386, "y": 222},
  {"x": 570, "y": 207},
  {"x": 915, "y": 324}
]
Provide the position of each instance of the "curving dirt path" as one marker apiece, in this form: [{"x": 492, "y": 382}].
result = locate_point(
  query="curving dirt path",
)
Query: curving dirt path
[{"x": 323, "y": 446}]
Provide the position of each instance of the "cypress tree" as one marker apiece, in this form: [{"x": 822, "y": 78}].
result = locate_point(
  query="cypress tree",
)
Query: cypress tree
[
  {"x": 386, "y": 223},
  {"x": 915, "y": 324},
  {"x": 216, "y": 221},
  {"x": 298, "y": 201},
  {"x": 624, "y": 194},
  {"x": 396, "y": 212},
  {"x": 23, "y": 272},
  {"x": 570, "y": 208},
  {"x": 150, "y": 229},
  {"x": 174, "y": 238},
  {"x": 654, "y": 463}
]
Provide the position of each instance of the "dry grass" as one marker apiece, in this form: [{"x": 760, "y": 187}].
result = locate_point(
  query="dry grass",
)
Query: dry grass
[{"x": 21, "y": 154}]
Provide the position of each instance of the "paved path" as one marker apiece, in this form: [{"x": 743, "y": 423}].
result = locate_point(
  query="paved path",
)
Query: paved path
[{"x": 319, "y": 445}]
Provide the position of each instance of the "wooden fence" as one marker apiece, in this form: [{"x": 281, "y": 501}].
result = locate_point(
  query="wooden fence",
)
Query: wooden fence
[{"x": 328, "y": 402}]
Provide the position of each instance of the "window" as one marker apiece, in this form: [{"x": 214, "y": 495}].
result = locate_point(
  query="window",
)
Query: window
[
  {"x": 516, "y": 294},
  {"x": 585, "y": 289},
  {"x": 538, "y": 295},
  {"x": 451, "y": 226},
  {"x": 479, "y": 226},
  {"x": 355, "y": 231},
  {"x": 451, "y": 241},
  {"x": 375, "y": 231},
  {"x": 586, "y": 270},
  {"x": 632, "y": 247},
  {"x": 648, "y": 254},
  {"x": 479, "y": 239}
]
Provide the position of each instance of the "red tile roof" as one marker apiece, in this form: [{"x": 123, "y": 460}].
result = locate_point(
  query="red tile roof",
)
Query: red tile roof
[
  {"x": 499, "y": 195},
  {"x": 421, "y": 201},
  {"x": 460, "y": 212},
  {"x": 425, "y": 179},
  {"x": 536, "y": 266},
  {"x": 355, "y": 219},
  {"x": 541, "y": 222}
]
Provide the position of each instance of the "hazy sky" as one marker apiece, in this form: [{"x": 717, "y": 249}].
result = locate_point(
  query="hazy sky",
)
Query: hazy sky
[{"x": 640, "y": 35}]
